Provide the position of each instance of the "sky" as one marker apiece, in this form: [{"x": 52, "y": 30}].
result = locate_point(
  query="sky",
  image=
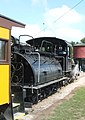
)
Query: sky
[{"x": 63, "y": 19}]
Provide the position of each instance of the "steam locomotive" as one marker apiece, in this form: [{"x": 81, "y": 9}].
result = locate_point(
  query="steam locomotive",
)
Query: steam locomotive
[{"x": 40, "y": 66}]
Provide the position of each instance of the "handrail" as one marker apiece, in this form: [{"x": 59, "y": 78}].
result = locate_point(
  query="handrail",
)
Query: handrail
[{"x": 36, "y": 53}]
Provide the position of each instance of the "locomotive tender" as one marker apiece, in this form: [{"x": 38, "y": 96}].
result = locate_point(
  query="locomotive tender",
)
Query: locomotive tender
[{"x": 40, "y": 66}]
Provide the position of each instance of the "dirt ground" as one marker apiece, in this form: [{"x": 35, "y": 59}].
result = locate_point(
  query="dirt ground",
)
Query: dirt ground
[{"x": 45, "y": 107}]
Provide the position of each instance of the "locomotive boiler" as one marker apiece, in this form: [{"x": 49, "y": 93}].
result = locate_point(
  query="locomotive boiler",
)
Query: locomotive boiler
[
  {"x": 40, "y": 66},
  {"x": 38, "y": 69}
]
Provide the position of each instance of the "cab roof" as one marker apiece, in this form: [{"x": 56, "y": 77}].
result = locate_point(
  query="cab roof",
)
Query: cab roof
[{"x": 53, "y": 40}]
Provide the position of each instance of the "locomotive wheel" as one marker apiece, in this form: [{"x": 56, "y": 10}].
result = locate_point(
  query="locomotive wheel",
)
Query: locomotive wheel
[{"x": 34, "y": 99}]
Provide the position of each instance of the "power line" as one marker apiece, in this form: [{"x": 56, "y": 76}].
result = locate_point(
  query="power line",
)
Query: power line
[
  {"x": 63, "y": 15},
  {"x": 68, "y": 11}
]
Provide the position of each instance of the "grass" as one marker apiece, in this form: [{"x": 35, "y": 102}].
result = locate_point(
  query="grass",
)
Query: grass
[{"x": 72, "y": 109}]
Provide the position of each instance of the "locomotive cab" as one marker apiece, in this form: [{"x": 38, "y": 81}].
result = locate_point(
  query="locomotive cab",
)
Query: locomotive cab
[{"x": 61, "y": 49}]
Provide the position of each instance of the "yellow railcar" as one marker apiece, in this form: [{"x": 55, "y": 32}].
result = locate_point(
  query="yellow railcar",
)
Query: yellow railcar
[{"x": 6, "y": 112}]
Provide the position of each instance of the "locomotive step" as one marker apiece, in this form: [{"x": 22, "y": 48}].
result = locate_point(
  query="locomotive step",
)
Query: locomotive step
[{"x": 15, "y": 104}]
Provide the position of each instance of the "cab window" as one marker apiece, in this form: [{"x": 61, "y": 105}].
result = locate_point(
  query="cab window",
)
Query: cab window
[{"x": 2, "y": 50}]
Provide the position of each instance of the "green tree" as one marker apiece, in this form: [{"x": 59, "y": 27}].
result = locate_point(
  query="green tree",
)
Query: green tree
[
  {"x": 72, "y": 43},
  {"x": 83, "y": 40},
  {"x": 77, "y": 43}
]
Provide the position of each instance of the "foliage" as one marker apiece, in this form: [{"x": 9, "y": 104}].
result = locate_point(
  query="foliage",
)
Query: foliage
[
  {"x": 73, "y": 43},
  {"x": 72, "y": 109},
  {"x": 83, "y": 40}
]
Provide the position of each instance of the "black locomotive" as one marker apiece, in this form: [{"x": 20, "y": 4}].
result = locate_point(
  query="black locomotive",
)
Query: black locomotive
[{"x": 40, "y": 66}]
